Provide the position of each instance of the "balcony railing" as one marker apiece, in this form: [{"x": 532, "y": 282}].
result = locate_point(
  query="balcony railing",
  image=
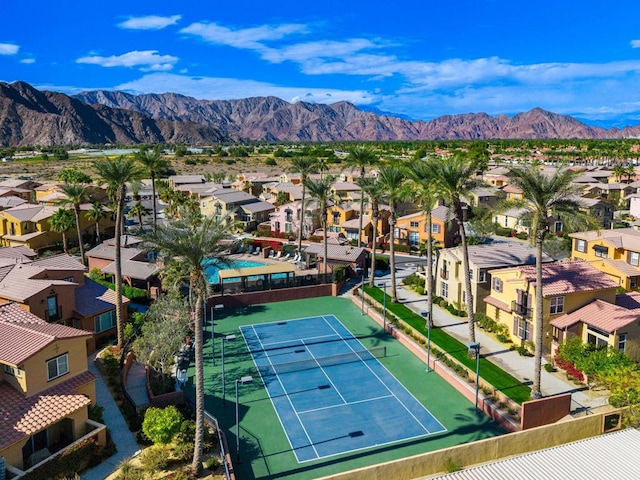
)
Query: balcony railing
[
  {"x": 520, "y": 309},
  {"x": 444, "y": 274},
  {"x": 53, "y": 315}
]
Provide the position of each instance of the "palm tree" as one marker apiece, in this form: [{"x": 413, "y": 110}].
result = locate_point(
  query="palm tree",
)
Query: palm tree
[
  {"x": 454, "y": 179},
  {"x": 153, "y": 163},
  {"x": 425, "y": 193},
  {"x": 61, "y": 222},
  {"x": 391, "y": 179},
  {"x": 361, "y": 157},
  {"x": 96, "y": 213},
  {"x": 543, "y": 197},
  {"x": 76, "y": 194},
  {"x": 138, "y": 210},
  {"x": 116, "y": 172},
  {"x": 304, "y": 166},
  {"x": 371, "y": 188},
  {"x": 321, "y": 191},
  {"x": 189, "y": 241}
]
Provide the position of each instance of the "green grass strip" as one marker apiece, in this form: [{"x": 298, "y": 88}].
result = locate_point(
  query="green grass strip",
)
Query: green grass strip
[{"x": 490, "y": 372}]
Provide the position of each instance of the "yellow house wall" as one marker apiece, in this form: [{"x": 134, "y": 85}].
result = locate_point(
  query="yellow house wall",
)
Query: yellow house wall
[
  {"x": 37, "y": 304},
  {"x": 405, "y": 226}
]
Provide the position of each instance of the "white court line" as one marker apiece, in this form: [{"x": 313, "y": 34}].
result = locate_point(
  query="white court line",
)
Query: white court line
[
  {"x": 383, "y": 383},
  {"x": 325, "y": 374},
  {"x": 346, "y": 404},
  {"x": 286, "y": 394},
  {"x": 295, "y": 340}
]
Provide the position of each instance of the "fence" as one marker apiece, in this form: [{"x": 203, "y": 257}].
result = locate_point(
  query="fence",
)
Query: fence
[{"x": 222, "y": 441}]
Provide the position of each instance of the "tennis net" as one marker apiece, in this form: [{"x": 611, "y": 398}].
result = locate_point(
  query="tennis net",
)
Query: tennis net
[{"x": 319, "y": 362}]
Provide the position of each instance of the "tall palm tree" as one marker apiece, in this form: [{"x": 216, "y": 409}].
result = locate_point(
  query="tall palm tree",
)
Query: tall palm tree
[
  {"x": 96, "y": 213},
  {"x": 76, "y": 194},
  {"x": 61, "y": 222},
  {"x": 138, "y": 210},
  {"x": 321, "y": 191},
  {"x": 304, "y": 166},
  {"x": 454, "y": 179},
  {"x": 189, "y": 241},
  {"x": 425, "y": 192},
  {"x": 543, "y": 197},
  {"x": 361, "y": 157},
  {"x": 371, "y": 188},
  {"x": 116, "y": 172},
  {"x": 391, "y": 179},
  {"x": 153, "y": 163}
]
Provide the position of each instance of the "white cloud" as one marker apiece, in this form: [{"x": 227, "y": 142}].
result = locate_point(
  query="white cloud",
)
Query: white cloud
[
  {"x": 147, "y": 60},
  {"x": 9, "y": 49},
  {"x": 28, "y": 61},
  {"x": 231, "y": 88},
  {"x": 635, "y": 43},
  {"x": 149, "y": 22}
]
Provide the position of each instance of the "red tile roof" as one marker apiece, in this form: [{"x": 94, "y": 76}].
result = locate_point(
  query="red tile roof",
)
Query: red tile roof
[
  {"x": 568, "y": 277},
  {"x": 23, "y": 334},
  {"x": 599, "y": 314},
  {"x": 21, "y": 417}
]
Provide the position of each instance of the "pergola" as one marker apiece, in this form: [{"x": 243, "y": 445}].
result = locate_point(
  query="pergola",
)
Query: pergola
[{"x": 264, "y": 273}]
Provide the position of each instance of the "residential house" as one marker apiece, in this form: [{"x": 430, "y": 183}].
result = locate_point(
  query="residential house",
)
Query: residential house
[
  {"x": 484, "y": 197},
  {"x": 614, "y": 252},
  {"x": 449, "y": 276},
  {"x": 600, "y": 323},
  {"x": 516, "y": 219},
  {"x": 346, "y": 191},
  {"x": 45, "y": 389},
  {"x": 271, "y": 191},
  {"x": 240, "y": 207},
  {"x": 286, "y": 218},
  {"x": 337, "y": 255},
  {"x": 411, "y": 229},
  {"x": 177, "y": 180},
  {"x": 497, "y": 176},
  {"x": 512, "y": 192},
  {"x": 567, "y": 286}
]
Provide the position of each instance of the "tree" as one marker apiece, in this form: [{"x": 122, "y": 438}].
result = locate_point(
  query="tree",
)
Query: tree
[
  {"x": 305, "y": 166},
  {"x": 371, "y": 188},
  {"x": 116, "y": 172},
  {"x": 543, "y": 196},
  {"x": 138, "y": 210},
  {"x": 454, "y": 179},
  {"x": 282, "y": 198},
  {"x": 321, "y": 191},
  {"x": 62, "y": 221},
  {"x": 96, "y": 213},
  {"x": 624, "y": 384},
  {"x": 161, "y": 424},
  {"x": 391, "y": 179},
  {"x": 73, "y": 175},
  {"x": 361, "y": 157},
  {"x": 189, "y": 241},
  {"x": 153, "y": 163},
  {"x": 76, "y": 194}
]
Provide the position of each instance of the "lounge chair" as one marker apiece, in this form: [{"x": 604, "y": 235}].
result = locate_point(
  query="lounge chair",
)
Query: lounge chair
[
  {"x": 296, "y": 258},
  {"x": 256, "y": 251},
  {"x": 272, "y": 253},
  {"x": 286, "y": 257},
  {"x": 278, "y": 255},
  {"x": 250, "y": 249}
]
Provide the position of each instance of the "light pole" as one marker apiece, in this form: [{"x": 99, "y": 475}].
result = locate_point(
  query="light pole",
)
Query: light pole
[
  {"x": 223, "y": 340},
  {"x": 384, "y": 305},
  {"x": 476, "y": 351},
  {"x": 362, "y": 291},
  {"x": 213, "y": 338},
  {"x": 426, "y": 316},
  {"x": 243, "y": 381}
]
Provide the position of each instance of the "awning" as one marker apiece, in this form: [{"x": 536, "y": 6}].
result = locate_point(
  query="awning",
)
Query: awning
[{"x": 284, "y": 267}]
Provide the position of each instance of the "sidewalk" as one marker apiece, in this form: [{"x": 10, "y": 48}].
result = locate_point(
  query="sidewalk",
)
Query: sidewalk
[
  {"x": 520, "y": 367},
  {"x": 136, "y": 385},
  {"x": 123, "y": 438}
]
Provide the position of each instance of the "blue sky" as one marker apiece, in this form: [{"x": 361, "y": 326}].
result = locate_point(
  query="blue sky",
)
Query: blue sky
[{"x": 422, "y": 59}]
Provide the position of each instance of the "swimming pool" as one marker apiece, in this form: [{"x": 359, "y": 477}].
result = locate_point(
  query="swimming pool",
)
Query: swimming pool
[{"x": 211, "y": 269}]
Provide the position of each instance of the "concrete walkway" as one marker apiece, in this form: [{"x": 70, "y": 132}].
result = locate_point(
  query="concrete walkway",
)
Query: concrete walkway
[
  {"x": 520, "y": 367},
  {"x": 123, "y": 438},
  {"x": 135, "y": 386}
]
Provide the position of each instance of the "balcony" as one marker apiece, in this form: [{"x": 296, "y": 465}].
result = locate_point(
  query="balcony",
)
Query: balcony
[
  {"x": 444, "y": 274},
  {"x": 521, "y": 310}
]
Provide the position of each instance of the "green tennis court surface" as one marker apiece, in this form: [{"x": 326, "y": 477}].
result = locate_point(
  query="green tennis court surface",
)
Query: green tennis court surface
[{"x": 265, "y": 449}]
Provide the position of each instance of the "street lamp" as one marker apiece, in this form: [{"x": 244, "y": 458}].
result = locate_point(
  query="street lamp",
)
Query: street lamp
[
  {"x": 223, "y": 340},
  {"x": 361, "y": 290},
  {"x": 384, "y": 303},
  {"x": 243, "y": 381},
  {"x": 476, "y": 351},
  {"x": 213, "y": 338},
  {"x": 428, "y": 320}
]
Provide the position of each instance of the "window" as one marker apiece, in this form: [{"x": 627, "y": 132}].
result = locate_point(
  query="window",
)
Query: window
[
  {"x": 581, "y": 245},
  {"x": 471, "y": 274},
  {"x": 622, "y": 342},
  {"x": 600, "y": 251},
  {"x": 522, "y": 328},
  {"x": 414, "y": 224},
  {"x": 597, "y": 337},
  {"x": 336, "y": 217},
  {"x": 482, "y": 276},
  {"x": 335, "y": 228},
  {"x": 497, "y": 284},
  {"x": 104, "y": 321},
  {"x": 634, "y": 258},
  {"x": 444, "y": 290},
  {"x": 288, "y": 227},
  {"x": 52, "y": 309},
  {"x": 245, "y": 217},
  {"x": 56, "y": 367},
  {"x": 13, "y": 371},
  {"x": 633, "y": 282},
  {"x": 435, "y": 228},
  {"x": 506, "y": 221},
  {"x": 556, "y": 305},
  {"x": 414, "y": 238},
  {"x": 557, "y": 227}
]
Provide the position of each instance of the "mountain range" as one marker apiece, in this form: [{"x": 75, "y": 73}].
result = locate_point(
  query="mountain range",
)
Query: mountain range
[{"x": 32, "y": 117}]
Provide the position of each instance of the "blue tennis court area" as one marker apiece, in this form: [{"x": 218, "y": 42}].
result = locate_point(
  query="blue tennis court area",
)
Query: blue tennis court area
[{"x": 331, "y": 394}]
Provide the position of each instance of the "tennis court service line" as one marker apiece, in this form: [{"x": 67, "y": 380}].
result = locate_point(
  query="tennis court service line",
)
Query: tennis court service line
[
  {"x": 287, "y": 397},
  {"x": 347, "y": 403},
  {"x": 268, "y": 345},
  {"x": 351, "y": 337}
]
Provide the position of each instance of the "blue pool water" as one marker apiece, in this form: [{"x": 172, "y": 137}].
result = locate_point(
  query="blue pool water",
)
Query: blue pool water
[{"x": 211, "y": 271}]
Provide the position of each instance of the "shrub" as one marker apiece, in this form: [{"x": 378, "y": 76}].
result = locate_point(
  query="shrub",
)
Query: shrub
[
  {"x": 503, "y": 338},
  {"x": 270, "y": 162},
  {"x": 128, "y": 471},
  {"x": 95, "y": 413},
  {"x": 212, "y": 463},
  {"x": 161, "y": 424},
  {"x": 154, "y": 459},
  {"x": 184, "y": 451},
  {"x": 339, "y": 273},
  {"x": 549, "y": 367},
  {"x": 111, "y": 365}
]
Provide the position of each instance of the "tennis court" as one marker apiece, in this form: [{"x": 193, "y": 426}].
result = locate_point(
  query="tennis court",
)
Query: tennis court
[{"x": 333, "y": 396}]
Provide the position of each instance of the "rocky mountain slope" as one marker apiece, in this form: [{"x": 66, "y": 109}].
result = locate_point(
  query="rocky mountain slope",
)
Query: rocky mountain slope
[{"x": 32, "y": 117}]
